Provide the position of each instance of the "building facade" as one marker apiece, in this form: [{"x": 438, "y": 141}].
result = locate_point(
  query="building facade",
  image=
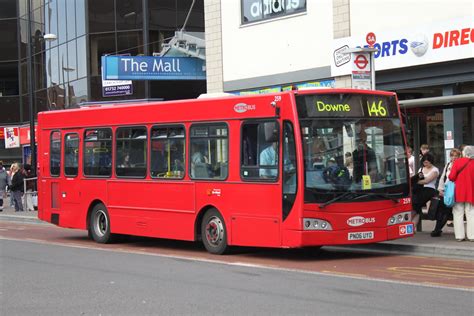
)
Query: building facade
[
  {"x": 428, "y": 59},
  {"x": 67, "y": 71}
]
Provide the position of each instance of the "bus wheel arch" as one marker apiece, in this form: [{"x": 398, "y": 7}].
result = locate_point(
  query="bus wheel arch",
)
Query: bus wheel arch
[
  {"x": 98, "y": 223},
  {"x": 213, "y": 232}
]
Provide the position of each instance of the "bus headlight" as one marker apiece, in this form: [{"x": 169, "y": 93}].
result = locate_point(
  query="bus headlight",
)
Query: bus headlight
[
  {"x": 399, "y": 218},
  {"x": 316, "y": 224}
]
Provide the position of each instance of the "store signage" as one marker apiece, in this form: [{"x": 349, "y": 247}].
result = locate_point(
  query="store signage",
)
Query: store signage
[
  {"x": 440, "y": 42},
  {"x": 153, "y": 68},
  {"x": 12, "y": 137},
  {"x": 256, "y": 10}
]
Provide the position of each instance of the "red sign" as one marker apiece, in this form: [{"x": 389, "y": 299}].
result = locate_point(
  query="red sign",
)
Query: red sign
[
  {"x": 25, "y": 135},
  {"x": 370, "y": 39},
  {"x": 361, "y": 61}
]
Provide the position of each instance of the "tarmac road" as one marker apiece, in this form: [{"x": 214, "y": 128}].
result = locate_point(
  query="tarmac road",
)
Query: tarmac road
[{"x": 419, "y": 270}]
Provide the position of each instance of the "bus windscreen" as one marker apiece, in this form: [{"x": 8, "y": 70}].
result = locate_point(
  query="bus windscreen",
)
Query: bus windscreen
[{"x": 355, "y": 145}]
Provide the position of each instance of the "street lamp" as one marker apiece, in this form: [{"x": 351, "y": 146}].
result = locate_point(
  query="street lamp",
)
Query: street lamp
[{"x": 31, "y": 88}]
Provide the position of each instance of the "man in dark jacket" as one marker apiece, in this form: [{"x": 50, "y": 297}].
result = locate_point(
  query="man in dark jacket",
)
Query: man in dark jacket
[
  {"x": 17, "y": 186},
  {"x": 364, "y": 159}
]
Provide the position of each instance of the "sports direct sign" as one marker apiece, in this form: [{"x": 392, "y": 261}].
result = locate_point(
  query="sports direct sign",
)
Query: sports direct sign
[{"x": 440, "y": 42}]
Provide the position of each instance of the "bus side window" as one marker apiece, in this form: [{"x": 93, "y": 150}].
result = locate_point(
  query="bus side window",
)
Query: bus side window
[
  {"x": 167, "y": 152},
  {"x": 209, "y": 154},
  {"x": 71, "y": 155},
  {"x": 55, "y": 153},
  {"x": 260, "y": 150},
  {"x": 98, "y": 152},
  {"x": 131, "y": 151}
]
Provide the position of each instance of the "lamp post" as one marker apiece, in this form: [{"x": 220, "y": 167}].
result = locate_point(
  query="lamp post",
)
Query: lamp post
[{"x": 31, "y": 88}]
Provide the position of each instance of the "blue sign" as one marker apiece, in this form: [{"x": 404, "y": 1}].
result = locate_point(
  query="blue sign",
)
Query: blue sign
[{"x": 153, "y": 68}]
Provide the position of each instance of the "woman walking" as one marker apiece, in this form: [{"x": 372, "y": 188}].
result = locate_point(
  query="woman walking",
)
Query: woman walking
[
  {"x": 17, "y": 186},
  {"x": 462, "y": 173},
  {"x": 445, "y": 212}
]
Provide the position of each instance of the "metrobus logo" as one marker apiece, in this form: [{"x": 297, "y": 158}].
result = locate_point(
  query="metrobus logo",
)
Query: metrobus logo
[
  {"x": 242, "y": 107},
  {"x": 359, "y": 221}
]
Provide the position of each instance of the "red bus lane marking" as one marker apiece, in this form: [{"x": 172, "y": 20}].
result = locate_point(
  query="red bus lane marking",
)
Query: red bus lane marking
[{"x": 406, "y": 269}]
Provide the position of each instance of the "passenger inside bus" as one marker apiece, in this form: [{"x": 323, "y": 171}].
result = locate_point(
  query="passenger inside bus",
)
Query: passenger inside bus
[
  {"x": 364, "y": 159},
  {"x": 268, "y": 157},
  {"x": 199, "y": 162}
]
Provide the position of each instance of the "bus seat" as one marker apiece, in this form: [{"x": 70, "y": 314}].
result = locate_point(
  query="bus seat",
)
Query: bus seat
[
  {"x": 224, "y": 170},
  {"x": 201, "y": 170}
]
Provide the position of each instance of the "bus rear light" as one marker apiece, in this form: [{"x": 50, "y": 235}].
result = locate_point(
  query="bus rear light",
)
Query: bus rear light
[
  {"x": 399, "y": 218},
  {"x": 316, "y": 224}
]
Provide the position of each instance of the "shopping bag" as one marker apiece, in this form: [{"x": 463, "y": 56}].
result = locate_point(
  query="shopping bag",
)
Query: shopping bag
[
  {"x": 34, "y": 198},
  {"x": 449, "y": 190},
  {"x": 435, "y": 205}
]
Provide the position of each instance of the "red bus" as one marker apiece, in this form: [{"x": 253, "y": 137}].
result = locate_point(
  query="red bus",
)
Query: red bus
[{"x": 290, "y": 169}]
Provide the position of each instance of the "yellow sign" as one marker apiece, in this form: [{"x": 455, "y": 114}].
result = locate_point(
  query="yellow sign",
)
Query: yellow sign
[
  {"x": 376, "y": 109},
  {"x": 366, "y": 182},
  {"x": 326, "y": 107}
]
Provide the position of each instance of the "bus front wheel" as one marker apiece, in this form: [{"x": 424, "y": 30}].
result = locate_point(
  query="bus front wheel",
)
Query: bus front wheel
[
  {"x": 99, "y": 224},
  {"x": 214, "y": 233}
]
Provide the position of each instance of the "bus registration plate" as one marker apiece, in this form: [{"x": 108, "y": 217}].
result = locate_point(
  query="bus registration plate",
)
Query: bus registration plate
[{"x": 360, "y": 236}]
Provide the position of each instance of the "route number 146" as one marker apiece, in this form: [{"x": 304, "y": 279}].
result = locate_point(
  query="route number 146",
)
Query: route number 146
[{"x": 376, "y": 109}]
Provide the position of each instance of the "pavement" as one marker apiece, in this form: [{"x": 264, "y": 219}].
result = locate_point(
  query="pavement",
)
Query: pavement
[{"x": 421, "y": 244}]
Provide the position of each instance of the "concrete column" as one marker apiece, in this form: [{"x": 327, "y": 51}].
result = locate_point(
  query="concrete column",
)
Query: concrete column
[
  {"x": 342, "y": 28},
  {"x": 452, "y": 121},
  {"x": 213, "y": 26}
]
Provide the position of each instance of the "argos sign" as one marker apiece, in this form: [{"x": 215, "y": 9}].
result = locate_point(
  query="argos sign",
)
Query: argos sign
[{"x": 439, "y": 42}]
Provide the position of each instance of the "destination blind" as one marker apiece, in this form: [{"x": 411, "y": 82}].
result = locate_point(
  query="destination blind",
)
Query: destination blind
[{"x": 346, "y": 105}]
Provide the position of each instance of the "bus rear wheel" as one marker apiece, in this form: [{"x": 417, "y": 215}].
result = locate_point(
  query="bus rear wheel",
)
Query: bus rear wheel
[
  {"x": 99, "y": 225},
  {"x": 214, "y": 233}
]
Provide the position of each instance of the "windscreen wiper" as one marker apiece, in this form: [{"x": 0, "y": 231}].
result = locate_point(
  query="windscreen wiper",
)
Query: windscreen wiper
[
  {"x": 337, "y": 198},
  {"x": 391, "y": 196}
]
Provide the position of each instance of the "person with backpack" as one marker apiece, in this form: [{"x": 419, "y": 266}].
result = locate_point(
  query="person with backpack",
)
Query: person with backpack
[
  {"x": 462, "y": 174},
  {"x": 338, "y": 176}
]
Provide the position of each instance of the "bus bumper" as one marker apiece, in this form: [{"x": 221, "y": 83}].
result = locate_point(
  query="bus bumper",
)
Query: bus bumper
[{"x": 348, "y": 237}]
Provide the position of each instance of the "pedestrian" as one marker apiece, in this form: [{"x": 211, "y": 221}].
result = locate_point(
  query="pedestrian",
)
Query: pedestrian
[
  {"x": 349, "y": 163},
  {"x": 17, "y": 186},
  {"x": 444, "y": 211},
  {"x": 30, "y": 187},
  {"x": 462, "y": 174},
  {"x": 424, "y": 149},
  {"x": 9, "y": 172},
  {"x": 428, "y": 174},
  {"x": 3, "y": 184},
  {"x": 411, "y": 161}
]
